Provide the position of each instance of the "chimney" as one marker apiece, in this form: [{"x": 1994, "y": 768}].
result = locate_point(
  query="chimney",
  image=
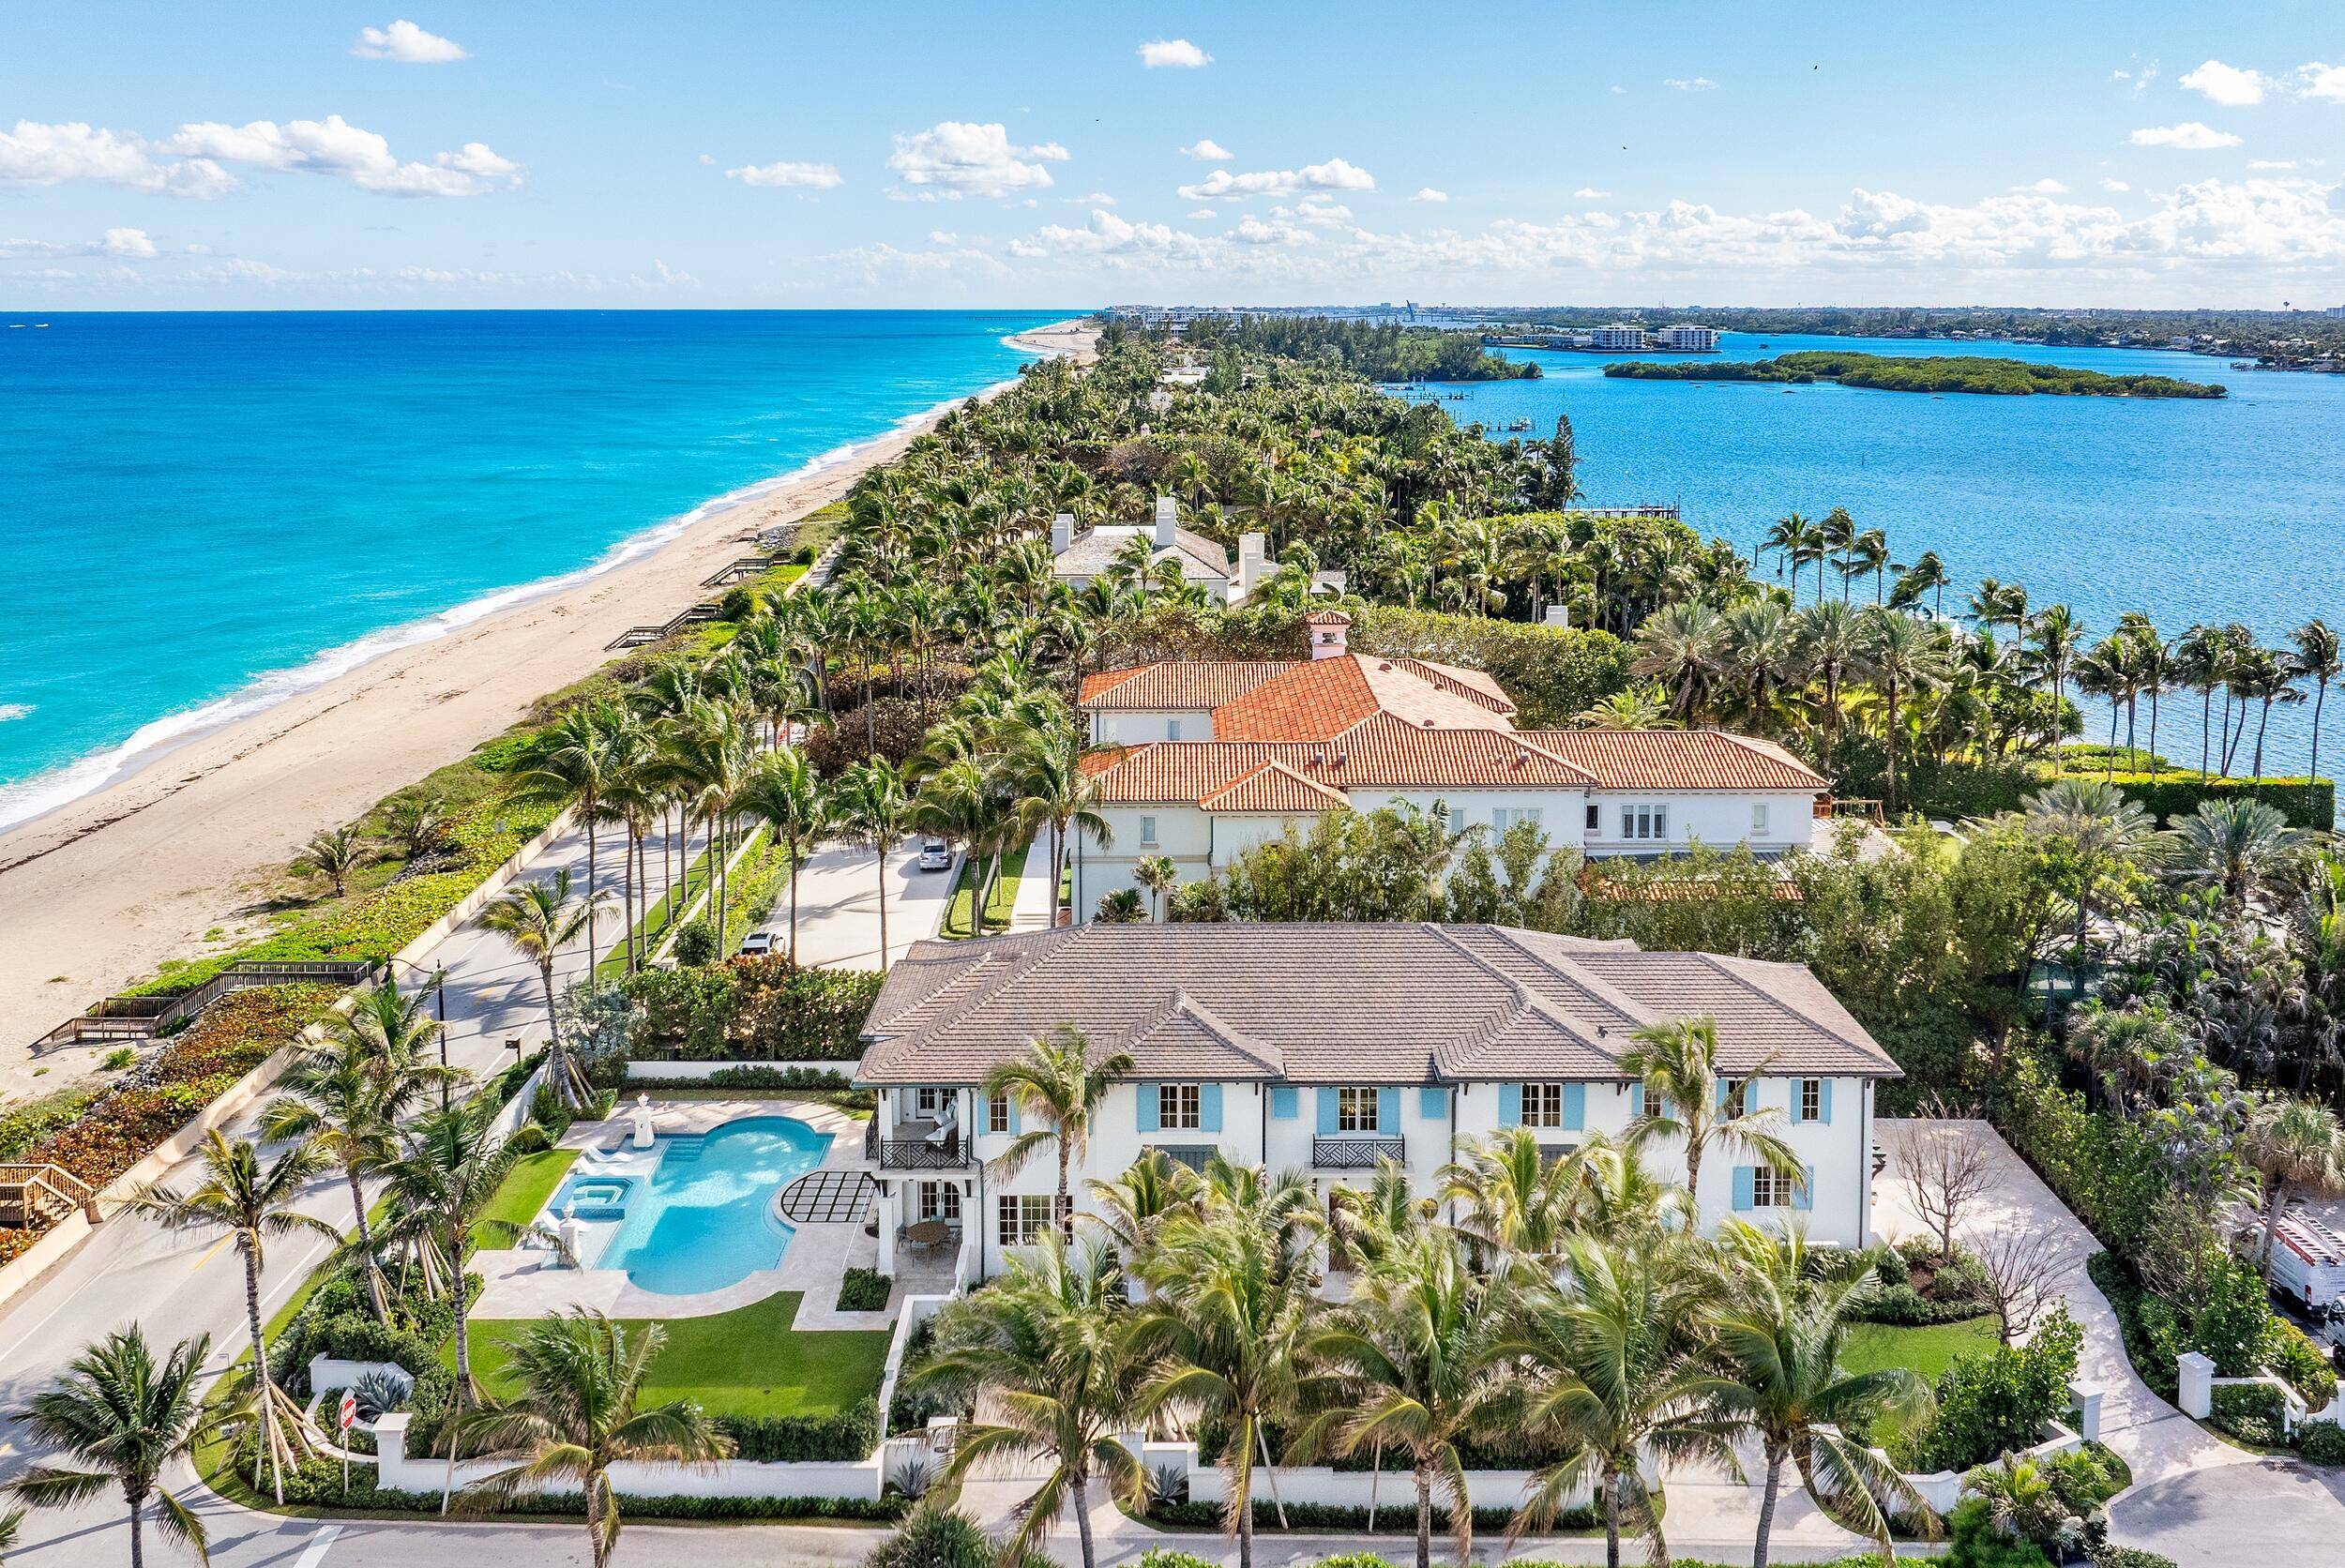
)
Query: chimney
[
  {"x": 1252, "y": 562},
  {"x": 1061, "y": 533},
  {"x": 1329, "y": 629},
  {"x": 1167, "y": 518}
]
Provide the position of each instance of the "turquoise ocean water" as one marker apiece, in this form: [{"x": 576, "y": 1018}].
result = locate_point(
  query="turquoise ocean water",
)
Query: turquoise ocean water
[
  {"x": 2188, "y": 509},
  {"x": 199, "y": 513}
]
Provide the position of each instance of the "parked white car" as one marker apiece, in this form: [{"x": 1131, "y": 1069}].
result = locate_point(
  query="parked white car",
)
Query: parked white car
[
  {"x": 757, "y": 944},
  {"x": 935, "y": 854}
]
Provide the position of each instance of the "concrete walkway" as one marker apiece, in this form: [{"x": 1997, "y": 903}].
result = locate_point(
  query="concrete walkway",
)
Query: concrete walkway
[{"x": 839, "y": 907}]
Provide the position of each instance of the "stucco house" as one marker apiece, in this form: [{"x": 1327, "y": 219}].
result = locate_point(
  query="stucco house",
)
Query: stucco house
[
  {"x": 1326, "y": 1049},
  {"x": 1210, "y": 758}
]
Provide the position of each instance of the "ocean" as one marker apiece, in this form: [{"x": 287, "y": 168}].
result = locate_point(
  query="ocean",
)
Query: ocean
[
  {"x": 2188, "y": 509},
  {"x": 203, "y": 513}
]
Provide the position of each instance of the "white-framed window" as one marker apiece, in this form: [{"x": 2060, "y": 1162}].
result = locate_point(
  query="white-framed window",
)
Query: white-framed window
[
  {"x": 1757, "y": 817},
  {"x": 1022, "y": 1217},
  {"x": 1148, "y": 833},
  {"x": 928, "y": 1100},
  {"x": 997, "y": 1114},
  {"x": 1171, "y": 728},
  {"x": 1542, "y": 1104},
  {"x": 1811, "y": 1099},
  {"x": 939, "y": 1200},
  {"x": 1179, "y": 1108},
  {"x": 1644, "y": 822},
  {"x": 1505, "y": 817},
  {"x": 1737, "y": 1097},
  {"x": 1355, "y": 1110},
  {"x": 1771, "y": 1189}
]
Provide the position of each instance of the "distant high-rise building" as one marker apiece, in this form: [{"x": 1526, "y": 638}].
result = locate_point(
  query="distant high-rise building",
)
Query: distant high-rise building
[
  {"x": 1687, "y": 337},
  {"x": 1619, "y": 337}
]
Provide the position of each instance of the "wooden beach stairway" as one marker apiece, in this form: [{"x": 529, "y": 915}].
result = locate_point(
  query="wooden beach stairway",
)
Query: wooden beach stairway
[{"x": 143, "y": 1018}]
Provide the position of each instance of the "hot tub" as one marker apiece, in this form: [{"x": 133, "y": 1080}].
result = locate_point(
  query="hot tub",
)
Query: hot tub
[{"x": 594, "y": 1197}]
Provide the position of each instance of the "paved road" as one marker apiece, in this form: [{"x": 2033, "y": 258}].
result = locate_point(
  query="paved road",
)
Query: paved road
[{"x": 839, "y": 907}]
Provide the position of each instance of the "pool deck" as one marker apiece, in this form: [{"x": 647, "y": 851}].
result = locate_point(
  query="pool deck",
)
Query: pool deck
[{"x": 526, "y": 1282}]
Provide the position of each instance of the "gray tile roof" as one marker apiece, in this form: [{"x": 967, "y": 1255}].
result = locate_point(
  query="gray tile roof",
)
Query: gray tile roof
[
  {"x": 1339, "y": 1004},
  {"x": 1203, "y": 560}
]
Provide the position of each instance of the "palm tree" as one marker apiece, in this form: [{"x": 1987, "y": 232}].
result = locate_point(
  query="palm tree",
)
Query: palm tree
[
  {"x": 1902, "y": 656},
  {"x": 1681, "y": 646},
  {"x": 1617, "y": 1378},
  {"x": 335, "y": 855},
  {"x": 118, "y": 1413},
  {"x": 2106, "y": 834},
  {"x": 1406, "y": 1365},
  {"x": 1517, "y": 1202},
  {"x": 709, "y": 756},
  {"x": 872, "y": 806},
  {"x": 576, "y": 1414},
  {"x": 252, "y": 1201},
  {"x": 1783, "y": 1332},
  {"x": 1831, "y": 640},
  {"x": 1056, "y": 1086},
  {"x": 537, "y": 920},
  {"x": 1838, "y": 530},
  {"x": 572, "y": 765},
  {"x": 1686, "y": 1098},
  {"x": 2233, "y": 846},
  {"x": 449, "y": 1167},
  {"x": 1643, "y": 707},
  {"x": 1869, "y": 556},
  {"x": 2318, "y": 658},
  {"x": 2057, "y": 637},
  {"x": 1161, "y": 877},
  {"x": 1046, "y": 1348},
  {"x": 2201, "y": 658},
  {"x": 2297, "y": 1151},
  {"x": 1783, "y": 537},
  {"x": 787, "y": 794}
]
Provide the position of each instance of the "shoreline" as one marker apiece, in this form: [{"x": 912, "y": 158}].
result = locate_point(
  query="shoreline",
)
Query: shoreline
[{"x": 179, "y": 842}]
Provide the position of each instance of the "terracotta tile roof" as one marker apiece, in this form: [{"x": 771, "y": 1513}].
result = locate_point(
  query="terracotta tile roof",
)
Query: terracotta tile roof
[
  {"x": 1273, "y": 787},
  {"x": 1179, "y": 684},
  {"x": 1477, "y": 685},
  {"x": 1678, "y": 759},
  {"x": 1327, "y": 618},
  {"x": 1338, "y": 1004},
  {"x": 1325, "y": 698},
  {"x": 1379, "y": 752}
]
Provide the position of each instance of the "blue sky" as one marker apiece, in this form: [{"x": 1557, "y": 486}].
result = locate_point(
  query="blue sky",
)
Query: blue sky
[{"x": 696, "y": 153}]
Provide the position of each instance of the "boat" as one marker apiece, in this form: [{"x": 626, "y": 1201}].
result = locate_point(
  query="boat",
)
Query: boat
[
  {"x": 1518, "y": 424},
  {"x": 2243, "y": 364}
]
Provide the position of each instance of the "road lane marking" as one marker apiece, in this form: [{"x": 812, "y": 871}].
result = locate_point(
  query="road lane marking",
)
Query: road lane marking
[{"x": 315, "y": 1552}]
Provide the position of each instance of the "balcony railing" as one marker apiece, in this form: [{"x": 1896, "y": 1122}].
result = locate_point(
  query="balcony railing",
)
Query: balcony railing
[
  {"x": 915, "y": 1153},
  {"x": 1194, "y": 1156},
  {"x": 1355, "y": 1153}
]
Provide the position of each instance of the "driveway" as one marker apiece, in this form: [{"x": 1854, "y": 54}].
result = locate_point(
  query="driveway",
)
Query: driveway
[
  {"x": 839, "y": 907},
  {"x": 2195, "y": 1498}
]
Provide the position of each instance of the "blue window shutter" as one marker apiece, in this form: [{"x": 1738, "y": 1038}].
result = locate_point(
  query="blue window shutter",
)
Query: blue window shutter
[
  {"x": 1209, "y": 1107},
  {"x": 1823, "y": 1100},
  {"x": 1282, "y": 1105},
  {"x": 1751, "y": 1095},
  {"x": 1510, "y": 1105},
  {"x": 1575, "y": 1106},
  {"x": 1326, "y": 1113},
  {"x": 1723, "y": 1085},
  {"x": 1388, "y": 1111},
  {"x": 1013, "y": 1116},
  {"x": 1149, "y": 1107},
  {"x": 1636, "y": 1099},
  {"x": 1433, "y": 1104},
  {"x": 1806, "y": 1198},
  {"x": 1741, "y": 1189},
  {"x": 1796, "y": 1098}
]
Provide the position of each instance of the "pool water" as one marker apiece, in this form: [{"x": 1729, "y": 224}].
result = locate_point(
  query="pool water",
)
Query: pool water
[{"x": 704, "y": 1219}]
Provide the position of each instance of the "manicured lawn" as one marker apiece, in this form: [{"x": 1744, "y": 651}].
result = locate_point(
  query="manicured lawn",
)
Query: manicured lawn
[
  {"x": 1873, "y": 1347},
  {"x": 743, "y": 1363},
  {"x": 524, "y": 1191},
  {"x": 997, "y": 908}
]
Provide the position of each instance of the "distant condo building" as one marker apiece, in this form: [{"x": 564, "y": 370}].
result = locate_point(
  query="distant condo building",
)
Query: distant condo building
[
  {"x": 1618, "y": 337},
  {"x": 1688, "y": 337}
]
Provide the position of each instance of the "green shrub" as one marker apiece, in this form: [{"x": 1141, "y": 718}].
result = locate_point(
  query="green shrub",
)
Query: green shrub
[
  {"x": 2110, "y": 1173},
  {"x": 2322, "y": 1442},
  {"x": 1355, "y": 1560},
  {"x": 2084, "y": 1478},
  {"x": 1997, "y": 1402},
  {"x": 864, "y": 1291},
  {"x": 1550, "y": 672},
  {"x": 2107, "y": 1556},
  {"x": 2288, "y": 1351},
  {"x": 2248, "y": 1412},
  {"x": 1398, "y": 1517},
  {"x": 850, "y": 1434},
  {"x": 757, "y": 1009},
  {"x": 934, "y": 1538},
  {"x": 696, "y": 943},
  {"x": 1977, "y": 1540},
  {"x": 2233, "y": 1324},
  {"x": 1167, "y": 1556}
]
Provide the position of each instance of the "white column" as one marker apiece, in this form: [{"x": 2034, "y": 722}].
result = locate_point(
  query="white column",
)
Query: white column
[
  {"x": 2088, "y": 1398},
  {"x": 2198, "y": 1384},
  {"x": 890, "y": 1207}
]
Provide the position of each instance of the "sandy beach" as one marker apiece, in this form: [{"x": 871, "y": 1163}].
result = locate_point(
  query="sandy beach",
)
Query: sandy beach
[{"x": 98, "y": 892}]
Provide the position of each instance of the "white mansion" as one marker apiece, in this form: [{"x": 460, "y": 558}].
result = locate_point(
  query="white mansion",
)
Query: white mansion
[
  {"x": 1328, "y": 1048},
  {"x": 1214, "y": 757}
]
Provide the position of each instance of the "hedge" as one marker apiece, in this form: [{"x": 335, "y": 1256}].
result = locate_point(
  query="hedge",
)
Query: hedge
[
  {"x": 751, "y": 1078},
  {"x": 760, "y": 1009},
  {"x": 851, "y": 1434},
  {"x": 318, "y": 1484},
  {"x": 1398, "y": 1517},
  {"x": 1551, "y": 672}
]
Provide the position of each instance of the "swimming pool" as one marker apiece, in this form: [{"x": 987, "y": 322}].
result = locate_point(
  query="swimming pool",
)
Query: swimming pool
[{"x": 704, "y": 1216}]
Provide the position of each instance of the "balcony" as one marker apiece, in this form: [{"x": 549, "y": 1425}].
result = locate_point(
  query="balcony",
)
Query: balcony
[
  {"x": 914, "y": 1146},
  {"x": 1355, "y": 1153},
  {"x": 1194, "y": 1156}
]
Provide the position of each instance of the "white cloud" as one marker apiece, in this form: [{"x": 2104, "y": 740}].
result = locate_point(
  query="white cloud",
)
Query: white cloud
[
  {"x": 132, "y": 243},
  {"x": 1619, "y": 91},
  {"x": 1315, "y": 209},
  {"x": 954, "y": 158},
  {"x": 672, "y": 276},
  {"x": 805, "y": 177},
  {"x": 942, "y": 236},
  {"x": 2316, "y": 81},
  {"x": 1690, "y": 84},
  {"x": 1174, "y": 54},
  {"x": 2045, "y": 187},
  {"x": 129, "y": 244},
  {"x": 339, "y": 150},
  {"x": 1206, "y": 213},
  {"x": 2271, "y": 163},
  {"x": 2115, "y": 185},
  {"x": 2191, "y": 135},
  {"x": 1426, "y": 193},
  {"x": 708, "y": 162},
  {"x": 38, "y": 154},
  {"x": 1096, "y": 198},
  {"x": 1333, "y": 174},
  {"x": 2229, "y": 85},
  {"x": 406, "y": 43},
  {"x": 1206, "y": 150}
]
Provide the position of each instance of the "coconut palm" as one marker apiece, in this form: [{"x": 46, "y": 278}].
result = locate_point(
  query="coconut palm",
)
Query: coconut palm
[
  {"x": 2058, "y": 635},
  {"x": 2297, "y": 1151},
  {"x": 785, "y": 792},
  {"x": 1046, "y": 1351},
  {"x": 2202, "y": 656},
  {"x": 1831, "y": 643},
  {"x": 252, "y": 1200},
  {"x": 2319, "y": 658},
  {"x": 1638, "y": 707},
  {"x": 538, "y": 919},
  {"x": 1902, "y": 658},
  {"x": 710, "y": 752},
  {"x": 122, "y": 1417},
  {"x": 335, "y": 853},
  {"x": 1687, "y": 1098},
  {"x": 2104, "y": 835},
  {"x": 572, "y": 765},
  {"x": 448, "y": 1166},
  {"x": 1406, "y": 1364},
  {"x": 1681, "y": 646},
  {"x": 576, "y": 1411},
  {"x": 1516, "y": 1201},
  {"x": 872, "y": 806},
  {"x": 1134, "y": 1207},
  {"x": 1057, "y": 1088},
  {"x": 1159, "y": 877},
  {"x": 1783, "y": 1332},
  {"x": 2233, "y": 846}
]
